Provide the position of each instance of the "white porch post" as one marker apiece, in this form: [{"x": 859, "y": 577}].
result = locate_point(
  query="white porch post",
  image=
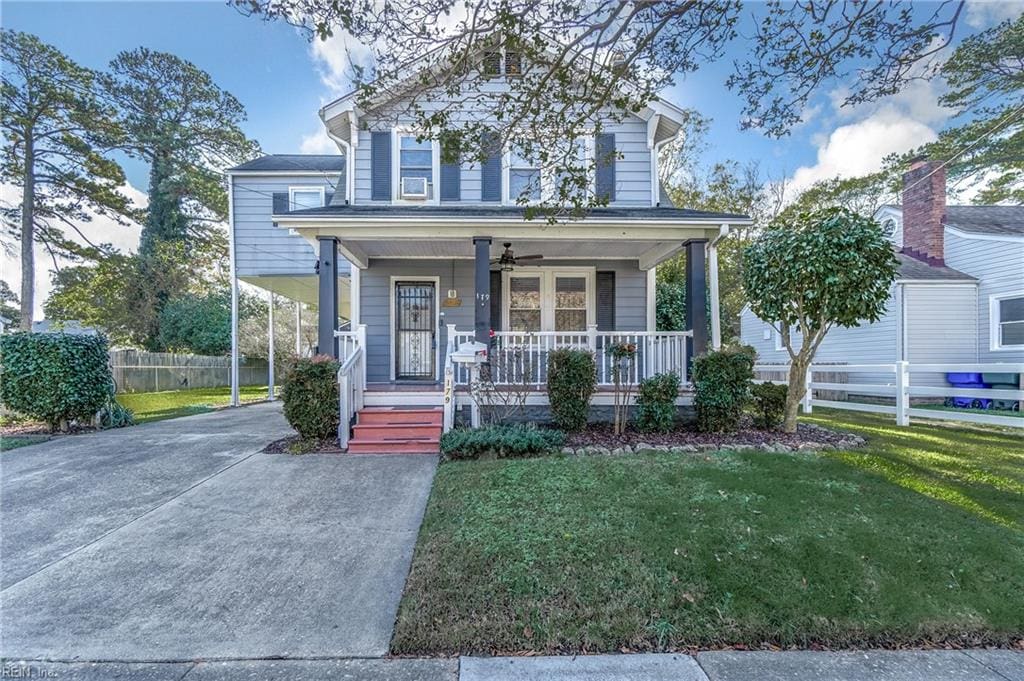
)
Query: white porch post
[
  {"x": 234, "y": 292},
  {"x": 716, "y": 319},
  {"x": 298, "y": 328},
  {"x": 652, "y": 298},
  {"x": 270, "y": 345}
]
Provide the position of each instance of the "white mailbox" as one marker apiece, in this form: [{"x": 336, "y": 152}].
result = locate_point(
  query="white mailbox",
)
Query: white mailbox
[{"x": 472, "y": 352}]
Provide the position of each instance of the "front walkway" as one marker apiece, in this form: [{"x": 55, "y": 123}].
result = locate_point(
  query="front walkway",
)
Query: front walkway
[{"x": 176, "y": 541}]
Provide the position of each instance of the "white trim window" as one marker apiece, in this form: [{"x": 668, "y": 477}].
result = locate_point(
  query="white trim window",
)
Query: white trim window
[
  {"x": 1007, "y": 319},
  {"x": 527, "y": 177},
  {"x": 305, "y": 197},
  {"x": 414, "y": 158},
  {"x": 542, "y": 299}
]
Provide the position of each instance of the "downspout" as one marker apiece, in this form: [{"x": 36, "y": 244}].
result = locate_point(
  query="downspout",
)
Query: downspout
[
  {"x": 349, "y": 164},
  {"x": 716, "y": 322}
]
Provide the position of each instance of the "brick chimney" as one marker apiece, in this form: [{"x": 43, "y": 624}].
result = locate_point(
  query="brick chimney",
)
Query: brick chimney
[{"x": 924, "y": 210}]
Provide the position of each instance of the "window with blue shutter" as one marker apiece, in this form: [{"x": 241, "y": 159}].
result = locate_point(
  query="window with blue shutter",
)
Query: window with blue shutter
[
  {"x": 380, "y": 166},
  {"x": 605, "y": 157},
  {"x": 490, "y": 171}
]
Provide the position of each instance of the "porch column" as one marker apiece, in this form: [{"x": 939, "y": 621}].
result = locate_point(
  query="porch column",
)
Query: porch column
[
  {"x": 328, "y": 296},
  {"x": 482, "y": 286},
  {"x": 696, "y": 298},
  {"x": 298, "y": 329},
  {"x": 270, "y": 346}
]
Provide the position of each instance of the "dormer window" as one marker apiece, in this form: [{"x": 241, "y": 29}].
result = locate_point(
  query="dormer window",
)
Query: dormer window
[{"x": 300, "y": 198}]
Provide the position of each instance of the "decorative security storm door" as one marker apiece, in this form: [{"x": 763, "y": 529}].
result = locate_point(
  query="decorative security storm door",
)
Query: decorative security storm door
[{"x": 415, "y": 331}]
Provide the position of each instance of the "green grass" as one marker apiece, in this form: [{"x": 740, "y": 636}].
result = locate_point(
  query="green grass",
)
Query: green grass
[
  {"x": 174, "y": 403},
  {"x": 918, "y": 537},
  {"x": 9, "y": 442}
]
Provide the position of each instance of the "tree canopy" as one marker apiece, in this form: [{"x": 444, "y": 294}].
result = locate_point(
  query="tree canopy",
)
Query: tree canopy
[
  {"x": 57, "y": 129},
  {"x": 809, "y": 273},
  {"x": 567, "y": 67}
]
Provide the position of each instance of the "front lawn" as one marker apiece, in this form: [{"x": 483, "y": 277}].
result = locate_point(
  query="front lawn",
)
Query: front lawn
[
  {"x": 916, "y": 538},
  {"x": 174, "y": 403}
]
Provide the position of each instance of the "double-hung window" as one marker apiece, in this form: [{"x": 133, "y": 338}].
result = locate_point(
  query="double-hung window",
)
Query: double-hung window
[
  {"x": 524, "y": 176},
  {"x": 305, "y": 197},
  {"x": 415, "y": 161},
  {"x": 1007, "y": 313}
]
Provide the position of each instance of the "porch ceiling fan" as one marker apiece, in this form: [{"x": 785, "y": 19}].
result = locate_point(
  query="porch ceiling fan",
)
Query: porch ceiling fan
[{"x": 508, "y": 258}]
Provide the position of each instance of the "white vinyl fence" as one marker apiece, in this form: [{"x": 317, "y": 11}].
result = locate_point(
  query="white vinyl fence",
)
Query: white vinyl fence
[{"x": 902, "y": 382}]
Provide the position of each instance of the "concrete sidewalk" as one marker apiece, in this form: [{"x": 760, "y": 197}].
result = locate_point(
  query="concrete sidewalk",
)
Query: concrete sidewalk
[{"x": 928, "y": 665}]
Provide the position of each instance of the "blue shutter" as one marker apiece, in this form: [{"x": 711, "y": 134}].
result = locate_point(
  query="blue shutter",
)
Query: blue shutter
[
  {"x": 496, "y": 300},
  {"x": 490, "y": 171},
  {"x": 451, "y": 181},
  {"x": 380, "y": 166},
  {"x": 604, "y": 155},
  {"x": 281, "y": 203}
]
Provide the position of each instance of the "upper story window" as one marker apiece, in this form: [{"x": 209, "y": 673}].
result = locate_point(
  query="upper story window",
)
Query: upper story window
[
  {"x": 415, "y": 168},
  {"x": 305, "y": 197},
  {"x": 524, "y": 177},
  {"x": 1007, "y": 314},
  {"x": 889, "y": 227},
  {"x": 498, "y": 62}
]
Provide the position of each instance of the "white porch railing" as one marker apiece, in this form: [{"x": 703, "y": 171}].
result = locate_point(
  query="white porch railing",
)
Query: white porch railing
[
  {"x": 523, "y": 356},
  {"x": 900, "y": 388},
  {"x": 351, "y": 385}
]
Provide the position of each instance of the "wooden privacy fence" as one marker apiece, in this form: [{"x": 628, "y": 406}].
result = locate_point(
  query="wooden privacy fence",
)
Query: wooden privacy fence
[
  {"x": 138, "y": 371},
  {"x": 904, "y": 389}
]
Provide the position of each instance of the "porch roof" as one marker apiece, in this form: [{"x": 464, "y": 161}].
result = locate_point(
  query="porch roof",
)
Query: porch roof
[{"x": 649, "y": 235}]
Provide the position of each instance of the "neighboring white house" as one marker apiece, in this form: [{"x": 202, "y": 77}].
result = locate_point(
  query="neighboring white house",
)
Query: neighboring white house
[{"x": 959, "y": 295}]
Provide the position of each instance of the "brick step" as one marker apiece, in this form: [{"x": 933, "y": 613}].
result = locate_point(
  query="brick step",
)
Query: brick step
[
  {"x": 407, "y": 446},
  {"x": 396, "y": 431},
  {"x": 392, "y": 416}
]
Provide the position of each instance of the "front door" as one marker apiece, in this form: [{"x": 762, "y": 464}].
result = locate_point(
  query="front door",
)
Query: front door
[{"x": 415, "y": 331}]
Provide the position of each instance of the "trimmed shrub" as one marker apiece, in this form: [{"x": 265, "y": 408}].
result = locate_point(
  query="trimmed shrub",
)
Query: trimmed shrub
[
  {"x": 502, "y": 442},
  {"x": 768, "y": 404},
  {"x": 55, "y": 377},
  {"x": 572, "y": 378},
  {"x": 721, "y": 382},
  {"x": 310, "y": 396},
  {"x": 115, "y": 415},
  {"x": 656, "y": 403}
]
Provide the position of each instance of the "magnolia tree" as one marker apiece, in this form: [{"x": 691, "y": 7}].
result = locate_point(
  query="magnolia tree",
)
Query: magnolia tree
[{"x": 810, "y": 273}]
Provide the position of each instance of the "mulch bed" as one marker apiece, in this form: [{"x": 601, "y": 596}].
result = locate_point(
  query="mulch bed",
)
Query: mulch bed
[
  {"x": 294, "y": 444},
  {"x": 808, "y": 436}
]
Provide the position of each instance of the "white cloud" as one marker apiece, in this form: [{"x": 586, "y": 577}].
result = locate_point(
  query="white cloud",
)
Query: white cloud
[
  {"x": 334, "y": 59},
  {"x": 859, "y": 148},
  {"x": 100, "y": 229},
  {"x": 984, "y": 13},
  {"x": 318, "y": 143}
]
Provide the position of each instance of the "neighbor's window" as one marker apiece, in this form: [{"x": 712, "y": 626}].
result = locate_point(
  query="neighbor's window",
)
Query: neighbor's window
[
  {"x": 1009, "y": 321},
  {"x": 523, "y": 177},
  {"x": 570, "y": 304},
  {"x": 305, "y": 197},
  {"x": 524, "y": 304},
  {"x": 416, "y": 159}
]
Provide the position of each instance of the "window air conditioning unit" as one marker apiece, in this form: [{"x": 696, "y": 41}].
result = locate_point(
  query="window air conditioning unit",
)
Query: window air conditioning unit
[{"x": 414, "y": 188}]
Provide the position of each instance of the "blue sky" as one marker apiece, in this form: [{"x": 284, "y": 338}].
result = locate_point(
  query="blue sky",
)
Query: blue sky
[{"x": 282, "y": 79}]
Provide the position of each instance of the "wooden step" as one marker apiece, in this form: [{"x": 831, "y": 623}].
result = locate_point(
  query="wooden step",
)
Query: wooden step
[
  {"x": 392, "y": 447},
  {"x": 400, "y": 431}
]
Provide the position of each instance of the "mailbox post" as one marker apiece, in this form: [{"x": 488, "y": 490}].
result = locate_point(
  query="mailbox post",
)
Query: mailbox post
[{"x": 472, "y": 355}]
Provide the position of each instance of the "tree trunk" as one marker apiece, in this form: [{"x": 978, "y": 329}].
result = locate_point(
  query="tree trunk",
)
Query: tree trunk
[
  {"x": 795, "y": 393},
  {"x": 28, "y": 233}
]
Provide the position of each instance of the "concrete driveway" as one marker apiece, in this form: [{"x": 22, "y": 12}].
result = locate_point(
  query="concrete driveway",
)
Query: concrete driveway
[{"x": 177, "y": 541}]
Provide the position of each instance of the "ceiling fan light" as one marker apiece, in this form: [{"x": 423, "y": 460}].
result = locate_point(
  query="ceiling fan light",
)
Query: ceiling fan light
[{"x": 506, "y": 266}]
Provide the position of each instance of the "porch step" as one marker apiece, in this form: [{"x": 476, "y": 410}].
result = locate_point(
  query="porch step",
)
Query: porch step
[
  {"x": 395, "y": 415},
  {"x": 396, "y": 430}
]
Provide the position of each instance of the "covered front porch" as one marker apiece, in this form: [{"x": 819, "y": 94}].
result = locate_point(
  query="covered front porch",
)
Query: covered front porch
[{"x": 424, "y": 282}]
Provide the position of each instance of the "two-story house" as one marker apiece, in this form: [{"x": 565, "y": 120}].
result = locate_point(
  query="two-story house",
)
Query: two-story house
[{"x": 420, "y": 256}]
